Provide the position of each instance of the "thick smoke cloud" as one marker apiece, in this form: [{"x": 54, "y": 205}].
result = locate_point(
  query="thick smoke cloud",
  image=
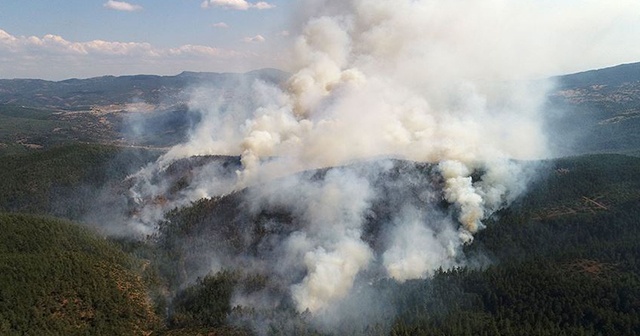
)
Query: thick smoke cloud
[{"x": 426, "y": 81}]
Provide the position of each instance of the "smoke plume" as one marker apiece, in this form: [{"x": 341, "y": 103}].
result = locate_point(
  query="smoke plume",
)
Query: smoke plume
[{"x": 378, "y": 81}]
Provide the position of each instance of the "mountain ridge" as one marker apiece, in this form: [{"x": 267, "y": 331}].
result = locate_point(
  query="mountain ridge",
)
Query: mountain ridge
[
  {"x": 83, "y": 93},
  {"x": 595, "y": 111},
  {"x": 613, "y": 75}
]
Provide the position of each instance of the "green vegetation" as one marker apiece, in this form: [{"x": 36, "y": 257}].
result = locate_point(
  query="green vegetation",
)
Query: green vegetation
[
  {"x": 564, "y": 260},
  {"x": 37, "y": 114},
  {"x": 596, "y": 111},
  {"x": 82, "y": 94},
  {"x": 206, "y": 303},
  {"x": 57, "y": 278},
  {"x": 64, "y": 181},
  {"x": 18, "y": 127},
  {"x": 567, "y": 261},
  {"x": 25, "y": 129}
]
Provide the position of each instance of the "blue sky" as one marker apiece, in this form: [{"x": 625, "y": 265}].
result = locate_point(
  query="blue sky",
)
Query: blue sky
[
  {"x": 165, "y": 23},
  {"x": 240, "y": 32},
  {"x": 58, "y": 39}
]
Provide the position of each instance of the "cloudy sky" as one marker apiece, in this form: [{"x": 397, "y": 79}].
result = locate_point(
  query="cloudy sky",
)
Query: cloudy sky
[
  {"x": 58, "y": 39},
  {"x": 82, "y": 38}
]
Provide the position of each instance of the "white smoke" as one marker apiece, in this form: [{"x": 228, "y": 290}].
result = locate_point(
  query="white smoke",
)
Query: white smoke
[
  {"x": 422, "y": 80},
  {"x": 335, "y": 213},
  {"x": 417, "y": 250},
  {"x": 404, "y": 79}
]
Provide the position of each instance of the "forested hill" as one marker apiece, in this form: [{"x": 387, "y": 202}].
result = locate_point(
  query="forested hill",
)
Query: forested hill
[
  {"x": 591, "y": 112},
  {"x": 611, "y": 76},
  {"x": 596, "y": 111},
  {"x": 563, "y": 260},
  {"x": 68, "y": 181},
  {"x": 57, "y": 278},
  {"x": 140, "y": 110},
  {"x": 82, "y": 94}
]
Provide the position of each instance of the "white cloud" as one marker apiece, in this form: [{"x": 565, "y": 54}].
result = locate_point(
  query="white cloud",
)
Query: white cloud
[
  {"x": 263, "y": 5},
  {"x": 49, "y": 44},
  {"x": 254, "y": 39},
  {"x": 198, "y": 50},
  {"x": 122, "y": 6},
  {"x": 6, "y": 37},
  {"x": 220, "y": 25},
  {"x": 55, "y": 44},
  {"x": 236, "y": 4},
  {"x": 54, "y": 57}
]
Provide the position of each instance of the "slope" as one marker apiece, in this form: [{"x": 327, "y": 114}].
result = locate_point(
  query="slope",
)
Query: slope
[
  {"x": 58, "y": 278},
  {"x": 596, "y": 111},
  {"x": 563, "y": 260},
  {"x": 66, "y": 181}
]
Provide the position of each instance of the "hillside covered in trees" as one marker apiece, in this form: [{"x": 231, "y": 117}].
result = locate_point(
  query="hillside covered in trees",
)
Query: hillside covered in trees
[
  {"x": 563, "y": 260},
  {"x": 57, "y": 278}
]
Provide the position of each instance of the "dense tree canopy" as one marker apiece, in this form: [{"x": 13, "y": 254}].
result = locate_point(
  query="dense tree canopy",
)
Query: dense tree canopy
[{"x": 563, "y": 260}]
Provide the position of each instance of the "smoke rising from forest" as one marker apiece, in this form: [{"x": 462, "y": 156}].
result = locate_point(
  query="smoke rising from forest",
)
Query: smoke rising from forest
[{"x": 427, "y": 81}]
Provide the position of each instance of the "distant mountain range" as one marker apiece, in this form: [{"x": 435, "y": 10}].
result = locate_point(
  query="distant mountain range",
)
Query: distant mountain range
[
  {"x": 82, "y": 94},
  {"x": 611, "y": 76},
  {"x": 596, "y": 111},
  {"x": 38, "y": 113}
]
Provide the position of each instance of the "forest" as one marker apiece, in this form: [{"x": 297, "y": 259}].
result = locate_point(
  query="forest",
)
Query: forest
[{"x": 562, "y": 260}]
